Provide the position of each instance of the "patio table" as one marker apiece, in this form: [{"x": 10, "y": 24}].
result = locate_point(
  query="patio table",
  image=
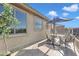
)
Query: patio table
[{"x": 56, "y": 39}]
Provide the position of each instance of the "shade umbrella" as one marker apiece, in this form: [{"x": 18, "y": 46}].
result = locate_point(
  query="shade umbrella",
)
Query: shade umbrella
[
  {"x": 56, "y": 20},
  {"x": 70, "y": 24}
]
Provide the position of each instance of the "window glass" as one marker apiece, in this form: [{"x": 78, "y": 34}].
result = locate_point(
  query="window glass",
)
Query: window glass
[
  {"x": 1, "y": 8},
  {"x": 13, "y": 31},
  {"x": 21, "y": 16},
  {"x": 21, "y": 27},
  {"x": 38, "y": 24}
]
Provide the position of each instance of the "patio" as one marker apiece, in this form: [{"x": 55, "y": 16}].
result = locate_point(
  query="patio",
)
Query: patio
[{"x": 43, "y": 49}]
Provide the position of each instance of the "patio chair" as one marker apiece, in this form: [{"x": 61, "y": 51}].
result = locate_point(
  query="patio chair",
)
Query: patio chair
[
  {"x": 51, "y": 40},
  {"x": 48, "y": 39},
  {"x": 66, "y": 39}
]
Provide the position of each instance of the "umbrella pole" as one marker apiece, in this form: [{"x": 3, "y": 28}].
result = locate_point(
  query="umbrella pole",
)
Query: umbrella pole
[{"x": 53, "y": 34}]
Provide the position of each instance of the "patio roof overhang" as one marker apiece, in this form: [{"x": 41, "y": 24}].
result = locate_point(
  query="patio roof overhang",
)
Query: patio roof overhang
[{"x": 29, "y": 9}]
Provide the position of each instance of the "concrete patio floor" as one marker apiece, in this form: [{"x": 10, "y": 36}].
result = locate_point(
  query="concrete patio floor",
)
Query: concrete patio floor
[{"x": 43, "y": 49}]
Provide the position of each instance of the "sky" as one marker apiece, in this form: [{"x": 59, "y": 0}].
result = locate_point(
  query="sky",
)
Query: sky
[
  {"x": 51, "y": 10},
  {"x": 63, "y": 10}
]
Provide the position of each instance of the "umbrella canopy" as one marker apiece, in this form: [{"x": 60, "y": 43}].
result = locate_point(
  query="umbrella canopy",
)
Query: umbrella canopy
[
  {"x": 57, "y": 19},
  {"x": 70, "y": 24}
]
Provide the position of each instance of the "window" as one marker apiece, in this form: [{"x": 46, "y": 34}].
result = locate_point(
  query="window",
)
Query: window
[
  {"x": 21, "y": 27},
  {"x": 21, "y": 16},
  {"x": 38, "y": 24},
  {"x": 1, "y": 8}
]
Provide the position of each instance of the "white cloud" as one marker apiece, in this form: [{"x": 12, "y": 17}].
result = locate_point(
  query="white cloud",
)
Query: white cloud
[
  {"x": 52, "y": 13},
  {"x": 65, "y": 14},
  {"x": 77, "y": 17},
  {"x": 61, "y": 17},
  {"x": 72, "y": 8}
]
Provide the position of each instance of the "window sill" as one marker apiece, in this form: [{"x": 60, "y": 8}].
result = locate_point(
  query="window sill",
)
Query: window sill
[{"x": 16, "y": 35}]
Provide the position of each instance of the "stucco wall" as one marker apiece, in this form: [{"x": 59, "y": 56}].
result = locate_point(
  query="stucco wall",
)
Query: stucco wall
[{"x": 20, "y": 40}]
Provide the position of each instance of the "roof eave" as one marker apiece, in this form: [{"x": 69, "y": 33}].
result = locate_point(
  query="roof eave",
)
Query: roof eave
[{"x": 30, "y": 10}]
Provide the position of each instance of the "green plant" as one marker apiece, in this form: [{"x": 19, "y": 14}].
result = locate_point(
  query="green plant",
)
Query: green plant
[{"x": 7, "y": 20}]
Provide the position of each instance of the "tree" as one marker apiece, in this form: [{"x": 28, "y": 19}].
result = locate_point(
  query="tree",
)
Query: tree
[{"x": 7, "y": 20}]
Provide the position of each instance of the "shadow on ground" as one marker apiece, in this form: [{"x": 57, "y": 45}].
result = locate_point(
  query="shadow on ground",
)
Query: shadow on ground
[
  {"x": 65, "y": 51},
  {"x": 30, "y": 52},
  {"x": 68, "y": 52}
]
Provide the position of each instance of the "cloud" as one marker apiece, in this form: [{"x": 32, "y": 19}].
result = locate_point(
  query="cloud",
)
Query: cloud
[
  {"x": 72, "y": 8},
  {"x": 61, "y": 17},
  {"x": 52, "y": 13},
  {"x": 77, "y": 17},
  {"x": 65, "y": 14}
]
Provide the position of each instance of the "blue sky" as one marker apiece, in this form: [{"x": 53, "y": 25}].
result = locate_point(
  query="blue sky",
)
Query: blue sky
[{"x": 64, "y": 10}]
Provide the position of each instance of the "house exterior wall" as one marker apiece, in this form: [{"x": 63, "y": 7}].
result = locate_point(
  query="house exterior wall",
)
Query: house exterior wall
[
  {"x": 58, "y": 29},
  {"x": 17, "y": 41}
]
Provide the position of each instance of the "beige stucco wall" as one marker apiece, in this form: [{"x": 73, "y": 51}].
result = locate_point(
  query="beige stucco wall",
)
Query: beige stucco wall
[
  {"x": 58, "y": 29},
  {"x": 23, "y": 40}
]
